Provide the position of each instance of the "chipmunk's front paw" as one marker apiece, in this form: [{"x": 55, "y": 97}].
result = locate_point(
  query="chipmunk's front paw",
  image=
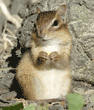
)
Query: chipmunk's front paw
[
  {"x": 53, "y": 56},
  {"x": 43, "y": 55}
]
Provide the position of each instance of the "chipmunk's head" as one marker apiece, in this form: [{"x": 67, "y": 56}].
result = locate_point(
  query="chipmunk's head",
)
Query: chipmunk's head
[{"x": 49, "y": 23}]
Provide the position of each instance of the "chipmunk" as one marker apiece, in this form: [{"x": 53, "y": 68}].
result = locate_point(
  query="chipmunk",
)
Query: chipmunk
[{"x": 44, "y": 72}]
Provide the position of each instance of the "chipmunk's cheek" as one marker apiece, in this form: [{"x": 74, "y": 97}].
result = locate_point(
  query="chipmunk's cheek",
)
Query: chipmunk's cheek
[{"x": 47, "y": 37}]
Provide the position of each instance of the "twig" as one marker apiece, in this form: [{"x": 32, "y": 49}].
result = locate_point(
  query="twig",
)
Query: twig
[
  {"x": 9, "y": 16},
  {"x": 8, "y": 68},
  {"x": 5, "y": 39}
]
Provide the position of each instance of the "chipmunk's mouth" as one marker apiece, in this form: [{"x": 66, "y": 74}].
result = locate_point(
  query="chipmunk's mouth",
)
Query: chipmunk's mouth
[
  {"x": 47, "y": 38},
  {"x": 44, "y": 40}
]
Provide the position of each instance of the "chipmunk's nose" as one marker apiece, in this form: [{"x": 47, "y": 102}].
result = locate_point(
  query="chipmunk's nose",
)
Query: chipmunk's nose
[{"x": 42, "y": 34}]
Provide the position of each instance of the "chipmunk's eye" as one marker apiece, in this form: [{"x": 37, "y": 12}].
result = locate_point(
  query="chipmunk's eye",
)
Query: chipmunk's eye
[{"x": 55, "y": 23}]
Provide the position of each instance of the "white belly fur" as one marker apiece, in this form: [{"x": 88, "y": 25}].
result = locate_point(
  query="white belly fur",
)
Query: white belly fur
[
  {"x": 52, "y": 84},
  {"x": 51, "y": 48}
]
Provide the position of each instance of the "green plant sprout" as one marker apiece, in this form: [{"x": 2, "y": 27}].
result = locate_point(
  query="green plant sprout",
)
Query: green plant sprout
[
  {"x": 75, "y": 101},
  {"x": 30, "y": 107}
]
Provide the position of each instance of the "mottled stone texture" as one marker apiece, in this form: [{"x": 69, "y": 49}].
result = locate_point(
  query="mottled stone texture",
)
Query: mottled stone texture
[
  {"x": 81, "y": 23},
  {"x": 80, "y": 18}
]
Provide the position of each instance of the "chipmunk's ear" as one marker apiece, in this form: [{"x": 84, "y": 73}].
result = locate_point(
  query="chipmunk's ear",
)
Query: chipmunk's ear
[
  {"x": 38, "y": 10},
  {"x": 62, "y": 11}
]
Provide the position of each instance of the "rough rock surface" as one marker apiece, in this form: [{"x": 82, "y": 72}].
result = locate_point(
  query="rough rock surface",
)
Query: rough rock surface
[{"x": 80, "y": 19}]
